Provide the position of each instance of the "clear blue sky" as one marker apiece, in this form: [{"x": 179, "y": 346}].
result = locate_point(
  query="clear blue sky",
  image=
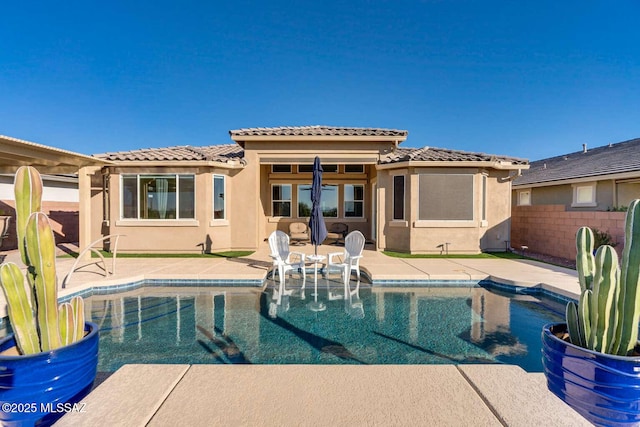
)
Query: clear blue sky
[{"x": 530, "y": 79}]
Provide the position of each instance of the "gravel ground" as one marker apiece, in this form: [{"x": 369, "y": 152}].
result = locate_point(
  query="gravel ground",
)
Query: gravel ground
[{"x": 563, "y": 262}]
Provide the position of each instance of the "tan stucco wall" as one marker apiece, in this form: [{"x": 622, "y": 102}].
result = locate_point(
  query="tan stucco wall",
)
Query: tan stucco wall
[
  {"x": 473, "y": 236},
  {"x": 249, "y": 219},
  {"x": 295, "y": 179},
  {"x": 189, "y": 236}
]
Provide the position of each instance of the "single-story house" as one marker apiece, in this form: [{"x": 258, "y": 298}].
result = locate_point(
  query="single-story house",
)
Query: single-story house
[
  {"x": 232, "y": 196},
  {"x": 597, "y": 179}
]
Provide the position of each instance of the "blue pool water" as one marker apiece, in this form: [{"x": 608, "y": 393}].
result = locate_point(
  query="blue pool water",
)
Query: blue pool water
[{"x": 426, "y": 325}]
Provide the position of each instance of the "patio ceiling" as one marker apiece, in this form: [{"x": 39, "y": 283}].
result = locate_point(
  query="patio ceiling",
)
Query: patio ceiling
[{"x": 16, "y": 152}]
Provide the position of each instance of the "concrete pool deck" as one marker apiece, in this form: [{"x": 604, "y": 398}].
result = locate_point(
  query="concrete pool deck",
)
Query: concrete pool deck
[{"x": 478, "y": 395}]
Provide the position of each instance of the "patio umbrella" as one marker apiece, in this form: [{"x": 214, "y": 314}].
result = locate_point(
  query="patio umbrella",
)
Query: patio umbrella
[{"x": 316, "y": 221}]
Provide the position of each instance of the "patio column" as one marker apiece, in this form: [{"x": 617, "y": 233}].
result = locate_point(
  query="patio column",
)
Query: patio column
[{"x": 84, "y": 189}]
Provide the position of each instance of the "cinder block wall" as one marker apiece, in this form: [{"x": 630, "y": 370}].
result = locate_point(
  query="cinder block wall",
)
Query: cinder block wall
[
  {"x": 549, "y": 229},
  {"x": 64, "y": 218}
]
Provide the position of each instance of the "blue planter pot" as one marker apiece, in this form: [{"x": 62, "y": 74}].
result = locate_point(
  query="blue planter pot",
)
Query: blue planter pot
[
  {"x": 32, "y": 385},
  {"x": 603, "y": 388}
]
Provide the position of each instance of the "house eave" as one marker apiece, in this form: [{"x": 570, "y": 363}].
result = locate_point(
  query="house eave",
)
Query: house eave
[
  {"x": 241, "y": 139},
  {"x": 464, "y": 164},
  {"x": 592, "y": 178},
  {"x": 233, "y": 164}
]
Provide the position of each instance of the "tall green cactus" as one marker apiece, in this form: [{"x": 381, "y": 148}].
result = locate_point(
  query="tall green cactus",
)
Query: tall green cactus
[
  {"x": 584, "y": 257},
  {"x": 607, "y": 315},
  {"x": 34, "y": 315}
]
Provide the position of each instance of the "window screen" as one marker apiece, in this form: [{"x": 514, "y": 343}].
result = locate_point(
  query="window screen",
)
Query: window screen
[{"x": 445, "y": 197}]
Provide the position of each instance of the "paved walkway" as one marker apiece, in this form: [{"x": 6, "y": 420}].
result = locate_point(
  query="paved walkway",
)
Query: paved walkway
[{"x": 167, "y": 395}]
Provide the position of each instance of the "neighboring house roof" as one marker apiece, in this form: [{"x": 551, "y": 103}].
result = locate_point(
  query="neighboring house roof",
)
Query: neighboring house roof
[
  {"x": 623, "y": 157},
  {"x": 212, "y": 153},
  {"x": 432, "y": 154},
  {"x": 317, "y": 131}
]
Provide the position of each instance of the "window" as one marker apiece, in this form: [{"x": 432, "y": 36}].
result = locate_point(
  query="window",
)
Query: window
[
  {"x": 329, "y": 201},
  {"x": 353, "y": 201},
  {"x": 445, "y": 197},
  {"x": 161, "y": 196},
  {"x": 398, "y": 197},
  {"x": 304, "y": 201},
  {"x": 584, "y": 195},
  {"x": 218, "y": 197},
  {"x": 281, "y": 168},
  {"x": 325, "y": 168},
  {"x": 524, "y": 198},
  {"x": 281, "y": 200},
  {"x": 484, "y": 197},
  {"x": 353, "y": 168}
]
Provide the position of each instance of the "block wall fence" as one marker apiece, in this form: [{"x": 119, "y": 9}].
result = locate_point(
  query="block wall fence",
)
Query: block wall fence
[
  {"x": 551, "y": 230},
  {"x": 64, "y": 217}
]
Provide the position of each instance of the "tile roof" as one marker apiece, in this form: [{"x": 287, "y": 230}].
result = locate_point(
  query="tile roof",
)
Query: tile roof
[
  {"x": 212, "y": 153},
  {"x": 443, "y": 155},
  {"x": 317, "y": 131},
  {"x": 225, "y": 152},
  {"x": 608, "y": 159}
]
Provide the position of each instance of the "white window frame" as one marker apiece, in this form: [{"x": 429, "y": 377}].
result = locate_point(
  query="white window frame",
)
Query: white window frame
[
  {"x": 177, "y": 178},
  {"x": 282, "y": 200},
  {"x": 588, "y": 188},
  {"x": 344, "y": 201},
  {"x": 224, "y": 197},
  {"x": 521, "y": 194}
]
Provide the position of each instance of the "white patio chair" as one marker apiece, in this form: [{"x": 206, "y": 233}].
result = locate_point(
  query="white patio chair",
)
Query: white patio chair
[
  {"x": 350, "y": 257},
  {"x": 282, "y": 260}
]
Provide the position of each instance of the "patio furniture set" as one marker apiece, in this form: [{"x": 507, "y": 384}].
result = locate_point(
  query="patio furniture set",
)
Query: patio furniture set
[{"x": 287, "y": 261}]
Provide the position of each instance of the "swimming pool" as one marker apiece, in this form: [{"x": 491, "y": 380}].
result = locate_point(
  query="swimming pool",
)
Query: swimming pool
[{"x": 380, "y": 325}]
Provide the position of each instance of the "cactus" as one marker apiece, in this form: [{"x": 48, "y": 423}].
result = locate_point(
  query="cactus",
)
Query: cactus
[
  {"x": 607, "y": 314},
  {"x": 584, "y": 257},
  {"x": 37, "y": 321}
]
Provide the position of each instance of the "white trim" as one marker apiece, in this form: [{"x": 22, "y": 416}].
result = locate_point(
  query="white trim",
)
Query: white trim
[
  {"x": 282, "y": 200},
  {"x": 344, "y": 200},
  {"x": 138, "y": 211},
  {"x": 590, "y": 187},
  {"x": 519, "y": 194}
]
